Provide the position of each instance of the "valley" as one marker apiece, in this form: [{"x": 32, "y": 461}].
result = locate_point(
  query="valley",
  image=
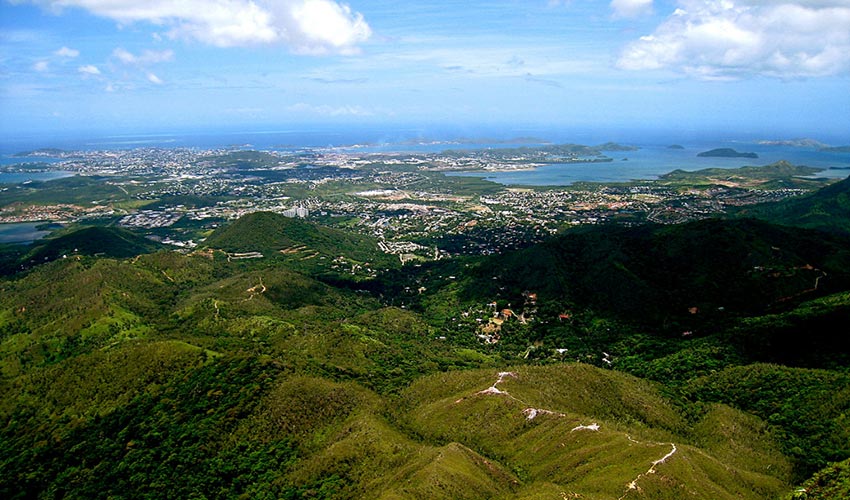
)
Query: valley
[{"x": 326, "y": 324}]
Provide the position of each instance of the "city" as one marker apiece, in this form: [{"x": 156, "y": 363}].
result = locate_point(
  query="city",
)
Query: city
[{"x": 403, "y": 199}]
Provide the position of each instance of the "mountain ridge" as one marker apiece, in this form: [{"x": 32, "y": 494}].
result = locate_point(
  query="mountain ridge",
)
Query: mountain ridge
[{"x": 193, "y": 374}]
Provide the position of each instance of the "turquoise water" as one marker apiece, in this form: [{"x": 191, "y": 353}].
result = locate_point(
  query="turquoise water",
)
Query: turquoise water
[
  {"x": 650, "y": 162},
  {"x": 19, "y": 177}
]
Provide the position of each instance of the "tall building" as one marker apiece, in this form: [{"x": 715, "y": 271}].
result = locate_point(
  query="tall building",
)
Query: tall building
[{"x": 299, "y": 212}]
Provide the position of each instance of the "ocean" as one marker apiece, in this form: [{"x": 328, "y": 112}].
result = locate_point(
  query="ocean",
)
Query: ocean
[
  {"x": 654, "y": 157},
  {"x": 652, "y": 161}
]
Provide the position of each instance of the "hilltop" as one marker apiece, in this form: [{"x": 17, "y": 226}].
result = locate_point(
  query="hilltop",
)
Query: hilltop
[
  {"x": 311, "y": 246},
  {"x": 91, "y": 241}
]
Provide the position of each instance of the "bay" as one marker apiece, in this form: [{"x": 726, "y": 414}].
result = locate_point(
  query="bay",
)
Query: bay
[
  {"x": 19, "y": 177},
  {"x": 652, "y": 161},
  {"x": 23, "y": 232}
]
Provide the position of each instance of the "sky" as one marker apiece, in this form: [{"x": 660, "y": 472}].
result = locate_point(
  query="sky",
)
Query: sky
[{"x": 776, "y": 68}]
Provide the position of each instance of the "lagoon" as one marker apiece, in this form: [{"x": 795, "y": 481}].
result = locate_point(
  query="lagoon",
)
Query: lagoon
[
  {"x": 19, "y": 177},
  {"x": 652, "y": 161}
]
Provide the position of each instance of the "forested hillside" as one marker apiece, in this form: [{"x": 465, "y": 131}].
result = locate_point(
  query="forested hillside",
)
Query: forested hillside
[{"x": 701, "y": 361}]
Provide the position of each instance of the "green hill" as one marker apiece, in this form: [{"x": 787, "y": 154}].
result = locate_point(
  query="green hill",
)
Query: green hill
[
  {"x": 777, "y": 175},
  {"x": 656, "y": 274},
  {"x": 594, "y": 433},
  {"x": 809, "y": 408},
  {"x": 306, "y": 245},
  {"x": 827, "y": 209},
  {"x": 197, "y": 376},
  {"x": 100, "y": 241},
  {"x": 236, "y": 425},
  {"x": 244, "y": 160}
]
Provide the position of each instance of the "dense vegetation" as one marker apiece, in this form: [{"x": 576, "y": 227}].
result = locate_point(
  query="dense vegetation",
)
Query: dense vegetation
[
  {"x": 101, "y": 241},
  {"x": 704, "y": 360},
  {"x": 827, "y": 209},
  {"x": 304, "y": 245}
]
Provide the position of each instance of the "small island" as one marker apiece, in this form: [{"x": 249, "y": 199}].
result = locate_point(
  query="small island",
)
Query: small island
[
  {"x": 613, "y": 146},
  {"x": 675, "y": 146},
  {"x": 726, "y": 153}
]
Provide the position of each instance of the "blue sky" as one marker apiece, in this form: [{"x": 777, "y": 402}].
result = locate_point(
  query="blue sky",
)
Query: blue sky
[{"x": 769, "y": 67}]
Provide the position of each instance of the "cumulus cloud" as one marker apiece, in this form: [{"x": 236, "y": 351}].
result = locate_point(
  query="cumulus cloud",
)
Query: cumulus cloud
[
  {"x": 41, "y": 66},
  {"x": 154, "y": 79},
  {"x": 308, "y": 26},
  {"x": 66, "y": 52},
  {"x": 631, "y": 8},
  {"x": 89, "y": 69},
  {"x": 731, "y": 39}
]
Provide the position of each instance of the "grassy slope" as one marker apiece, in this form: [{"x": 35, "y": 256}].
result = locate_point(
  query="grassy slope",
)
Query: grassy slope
[
  {"x": 266, "y": 231},
  {"x": 808, "y": 408},
  {"x": 246, "y": 425},
  {"x": 235, "y": 390},
  {"x": 636, "y": 427},
  {"x": 274, "y": 384},
  {"x": 304, "y": 245}
]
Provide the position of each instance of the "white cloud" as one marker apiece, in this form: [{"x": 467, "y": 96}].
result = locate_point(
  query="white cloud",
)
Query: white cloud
[
  {"x": 89, "y": 69},
  {"x": 146, "y": 57},
  {"x": 307, "y": 26},
  {"x": 41, "y": 66},
  {"x": 154, "y": 79},
  {"x": 730, "y": 39},
  {"x": 631, "y": 8},
  {"x": 66, "y": 52},
  {"x": 325, "y": 21}
]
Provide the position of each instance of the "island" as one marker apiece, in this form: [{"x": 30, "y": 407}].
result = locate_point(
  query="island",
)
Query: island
[
  {"x": 613, "y": 146},
  {"x": 675, "y": 146},
  {"x": 726, "y": 153}
]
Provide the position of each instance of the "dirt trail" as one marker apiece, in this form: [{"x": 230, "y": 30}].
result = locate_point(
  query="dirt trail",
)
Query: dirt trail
[
  {"x": 633, "y": 486},
  {"x": 531, "y": 413},
  {"x": 261, "y": 289},
  {"x": 592, "y": 427}
]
